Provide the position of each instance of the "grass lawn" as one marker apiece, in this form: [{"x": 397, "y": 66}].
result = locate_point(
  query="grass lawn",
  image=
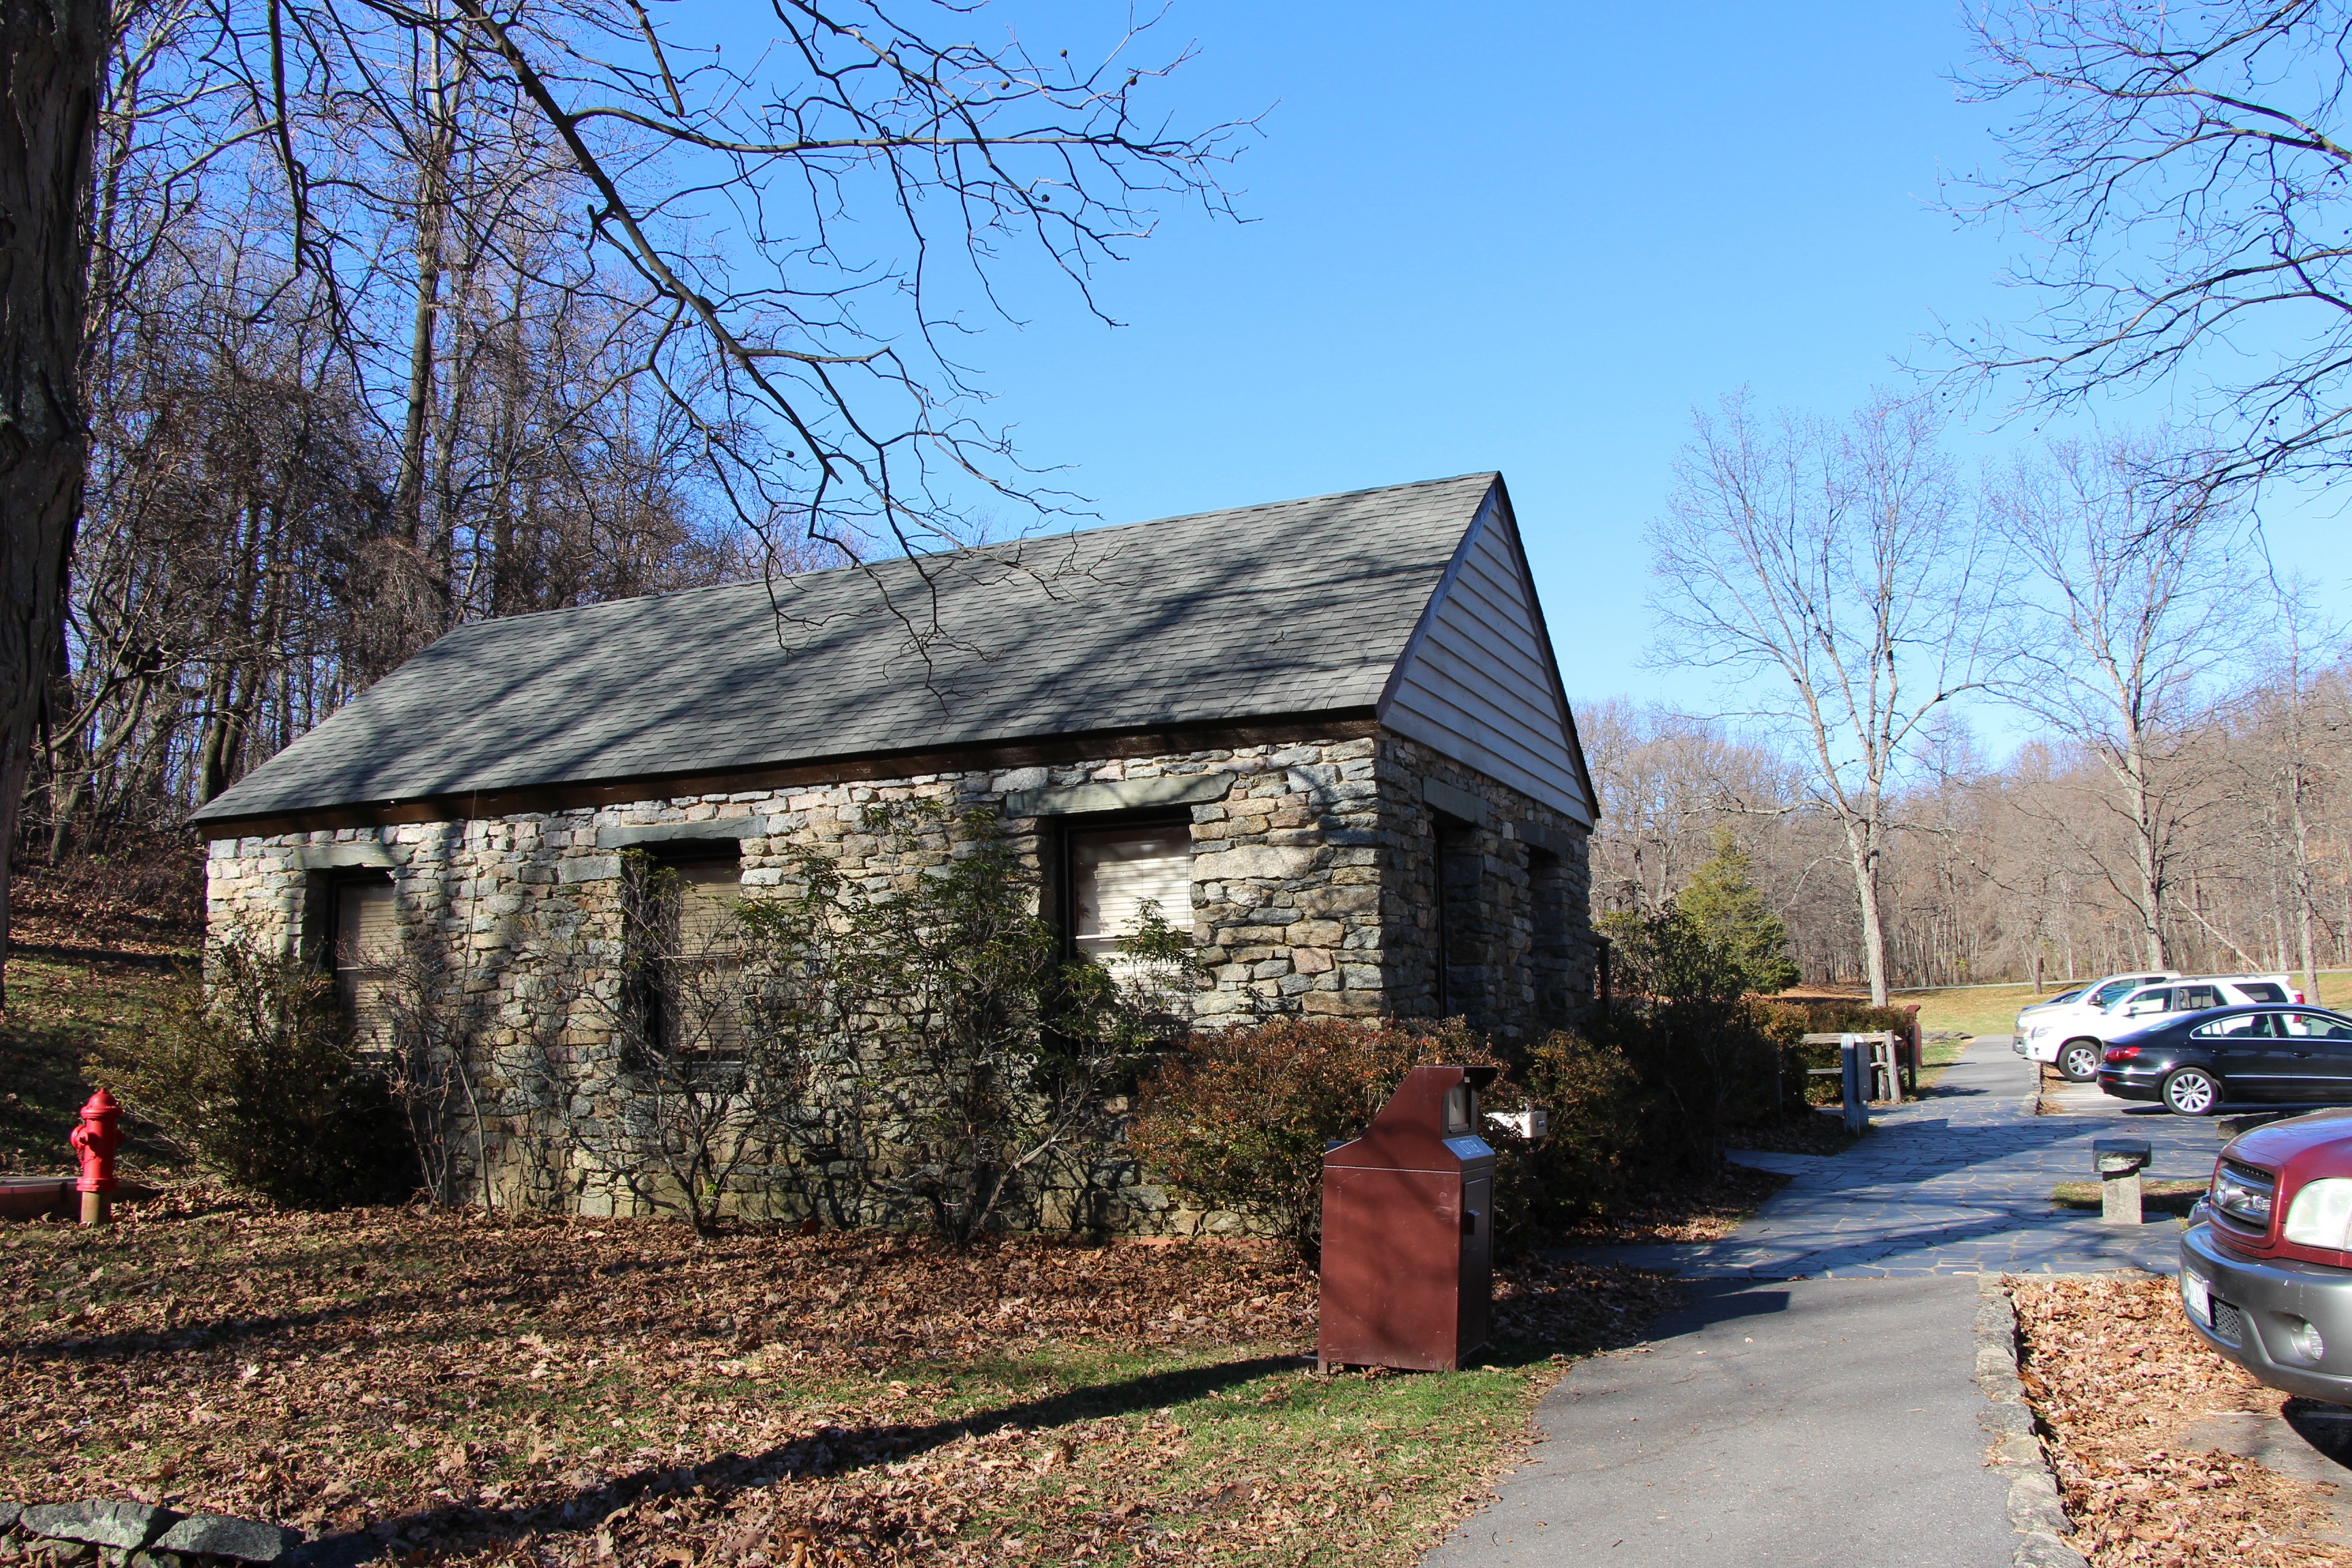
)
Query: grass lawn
[
  {"x": 59, "y": 1010},
  {"x": 1973, "y": 1009},
  {"x": 565, "y": 1391}
]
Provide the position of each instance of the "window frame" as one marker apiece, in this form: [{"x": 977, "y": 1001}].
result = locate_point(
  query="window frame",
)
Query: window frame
[
  {"x": 1061, "y": 889},
  {"x": 326, "y": 890},
  {"x": 655, "y": 1004},
  {"x": 1444, "y": 825}
]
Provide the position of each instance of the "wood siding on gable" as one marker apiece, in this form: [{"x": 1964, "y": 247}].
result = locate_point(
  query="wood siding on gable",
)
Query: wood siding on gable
[{"x": 1477, "y": 683}]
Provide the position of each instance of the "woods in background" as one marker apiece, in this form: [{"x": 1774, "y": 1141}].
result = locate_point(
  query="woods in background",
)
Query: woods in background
[
  {"x": 400, "y": 318},
  {"x": 2180, "y": 804},
  {"x": 2026, "y": 869}
]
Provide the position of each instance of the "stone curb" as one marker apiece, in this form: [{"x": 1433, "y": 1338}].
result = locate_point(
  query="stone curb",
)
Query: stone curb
[{"x": 2034, "y": 1511}]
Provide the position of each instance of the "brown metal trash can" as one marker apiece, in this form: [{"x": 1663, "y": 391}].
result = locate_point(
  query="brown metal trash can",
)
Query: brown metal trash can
[{"x": 1409, "y": 1230}]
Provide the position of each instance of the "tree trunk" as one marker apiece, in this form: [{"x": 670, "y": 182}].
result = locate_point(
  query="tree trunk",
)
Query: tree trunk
[
  {"x": 51, "y": 52},
  {"x": 2147, "y": 850},
  {"x": 1862, "y": 850}
]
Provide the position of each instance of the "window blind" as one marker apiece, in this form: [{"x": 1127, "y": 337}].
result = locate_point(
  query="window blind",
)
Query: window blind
[
  {"x": 1114, "y": 873},
  {"x": 367, "y": 942}
]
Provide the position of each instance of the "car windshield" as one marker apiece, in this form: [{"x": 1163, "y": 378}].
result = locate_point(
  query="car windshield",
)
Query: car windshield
[{"x": 2106, "y": 995}]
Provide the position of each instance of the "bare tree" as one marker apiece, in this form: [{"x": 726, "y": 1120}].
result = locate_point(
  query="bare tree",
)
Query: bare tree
[
  {"x": 1668, "y": 781},
  {"x": 2286, "y": 752},
  {"x": 806, "y": 234},
  {"x": 1836, "y": 569},
  {"x": 2130, "y": 611},
  {"x": 586, "y": 307},
  {"x": 2181, "y": 171}
]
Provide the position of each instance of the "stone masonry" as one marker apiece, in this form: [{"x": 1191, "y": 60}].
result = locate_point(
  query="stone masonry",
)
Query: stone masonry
[{"x": 1323, "y": 874}]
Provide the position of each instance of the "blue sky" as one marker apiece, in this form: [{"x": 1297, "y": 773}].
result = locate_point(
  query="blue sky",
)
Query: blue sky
[{"x": 1520, "y": 236}]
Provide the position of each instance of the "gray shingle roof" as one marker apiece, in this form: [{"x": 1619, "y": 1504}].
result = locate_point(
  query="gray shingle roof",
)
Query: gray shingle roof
[{"x": 1291, "y": 608}]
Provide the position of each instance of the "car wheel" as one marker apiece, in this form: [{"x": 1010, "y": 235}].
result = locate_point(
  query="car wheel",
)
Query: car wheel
[
  {"x": 2191, "y": 1091},
  {"x": 2078, "y": 1060}
]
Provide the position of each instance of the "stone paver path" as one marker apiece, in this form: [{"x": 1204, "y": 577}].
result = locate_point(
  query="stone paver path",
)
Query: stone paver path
[{"x": 1956, "y": 1183}]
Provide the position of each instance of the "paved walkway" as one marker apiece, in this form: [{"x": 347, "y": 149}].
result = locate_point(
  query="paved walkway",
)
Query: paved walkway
[
  {"x": 1957, "y": 1183},
  {"x": 1816, "y": 1401},
  {"x": 1830, "y": 1421}
]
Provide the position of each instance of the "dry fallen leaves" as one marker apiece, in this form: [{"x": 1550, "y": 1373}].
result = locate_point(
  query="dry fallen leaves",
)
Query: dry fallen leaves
[
  {"x": 581, "y": 1392},
  {"x": 1702, "y": 1212},
  {"x": 2118, "y": 1380}
]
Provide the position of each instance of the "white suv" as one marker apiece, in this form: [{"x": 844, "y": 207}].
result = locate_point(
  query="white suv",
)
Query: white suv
[
  {"x": 2032, "y": 1010},
  {"x": 2073, "y": 1037},
  {"x": 2093, "y": 997}
]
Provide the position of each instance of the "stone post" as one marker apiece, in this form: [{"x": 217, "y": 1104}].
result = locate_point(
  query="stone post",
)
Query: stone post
[{"x": 2120, "y": 1162}]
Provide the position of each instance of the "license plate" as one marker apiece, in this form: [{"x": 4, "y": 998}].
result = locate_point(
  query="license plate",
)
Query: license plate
[{"x": 2198, "y": 1298}]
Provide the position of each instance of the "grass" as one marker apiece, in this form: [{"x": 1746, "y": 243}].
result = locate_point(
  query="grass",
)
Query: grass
[
  {"x": 619, "y": 1390},
  {"x": 59, "y": 1010},
  {"x": 2155, "y": 1196},
  {"x": 1971, "y": 1009}
]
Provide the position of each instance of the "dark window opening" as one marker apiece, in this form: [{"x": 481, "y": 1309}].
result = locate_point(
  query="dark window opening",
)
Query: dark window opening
[
  {"x": 685, "y": 970},
  {"x": 1550, "y": 956},
  {"x": 1460, "y": 976}
]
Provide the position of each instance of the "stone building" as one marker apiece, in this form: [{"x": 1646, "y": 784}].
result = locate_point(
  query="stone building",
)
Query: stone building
[{"x": 1332, "y": 731}]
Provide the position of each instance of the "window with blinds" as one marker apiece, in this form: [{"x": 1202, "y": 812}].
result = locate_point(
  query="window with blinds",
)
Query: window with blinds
[
  {"x": 1115, "y": 872},
  {"x": 367, "y": 940},
  {"x": 696, "y": 1009},
  {"x": 707, "y": 891}
]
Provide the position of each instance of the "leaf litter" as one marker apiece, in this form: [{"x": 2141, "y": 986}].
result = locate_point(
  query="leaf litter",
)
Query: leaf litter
[
  {"x": 572, "y": 1392},
  {"x": 2117, "y": 1380}
]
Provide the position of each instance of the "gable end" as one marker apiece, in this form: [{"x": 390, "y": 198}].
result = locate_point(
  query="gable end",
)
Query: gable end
[{"x": 1478, "y": 683}]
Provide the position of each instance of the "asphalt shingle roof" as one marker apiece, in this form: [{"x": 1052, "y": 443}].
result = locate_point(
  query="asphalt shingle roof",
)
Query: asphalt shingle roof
[{"x": 1291, "y": 608}]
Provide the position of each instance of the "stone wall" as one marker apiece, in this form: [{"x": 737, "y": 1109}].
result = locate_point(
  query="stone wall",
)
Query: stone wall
[
  {"x": 1513, "y": 905},
  {"x": 1312, "y": 893}
]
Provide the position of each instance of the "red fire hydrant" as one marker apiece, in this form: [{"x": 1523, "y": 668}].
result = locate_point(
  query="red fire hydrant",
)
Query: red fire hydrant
[{"x": 95, "y": 1142}]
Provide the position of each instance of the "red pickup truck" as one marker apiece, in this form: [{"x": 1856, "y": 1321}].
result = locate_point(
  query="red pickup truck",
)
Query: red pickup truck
[{"x": 2266, "y": 1262}]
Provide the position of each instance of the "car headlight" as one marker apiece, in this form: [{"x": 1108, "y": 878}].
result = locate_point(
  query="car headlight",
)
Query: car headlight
[{"x": 2321, "y": 1215}]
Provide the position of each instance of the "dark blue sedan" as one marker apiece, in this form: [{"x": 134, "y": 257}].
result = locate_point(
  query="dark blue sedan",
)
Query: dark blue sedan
[{"x": 2195, "y": 1062}]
